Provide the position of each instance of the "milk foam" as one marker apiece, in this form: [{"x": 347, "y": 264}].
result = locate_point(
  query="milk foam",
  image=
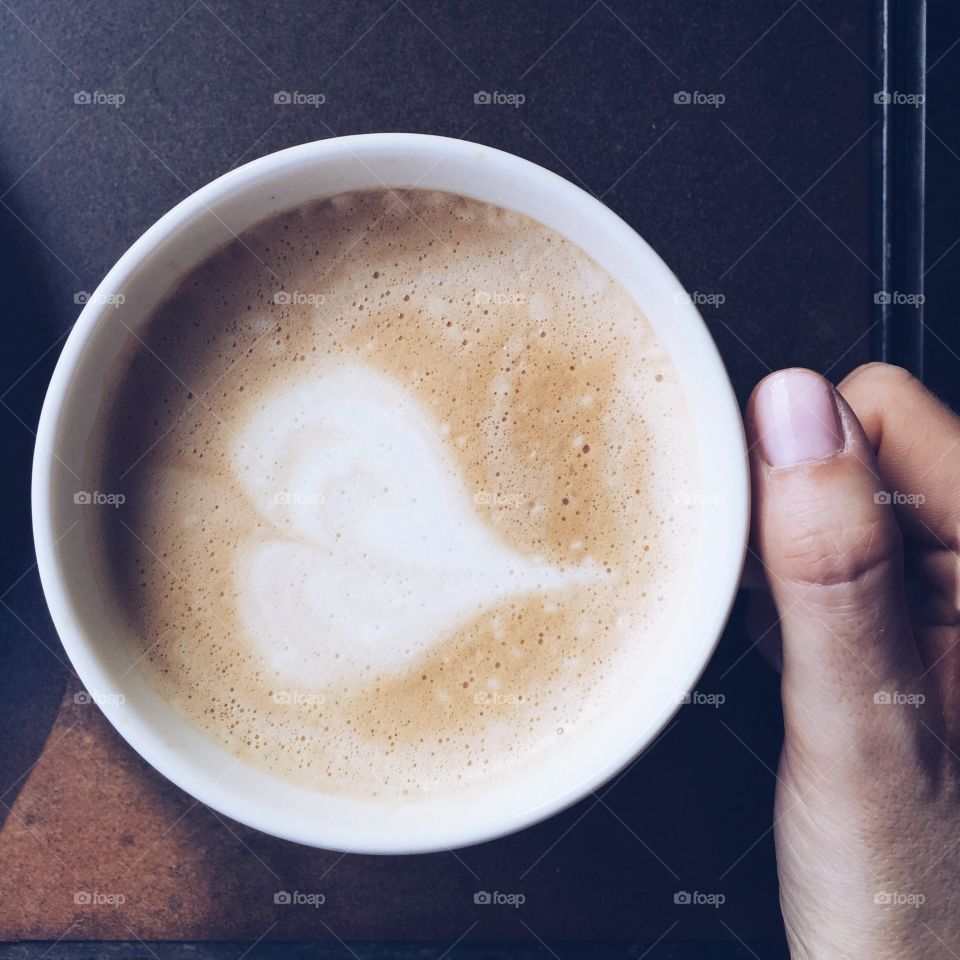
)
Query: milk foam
[
  {"x": 373, "y": 550},
  {"x": 410, "y": 524}
]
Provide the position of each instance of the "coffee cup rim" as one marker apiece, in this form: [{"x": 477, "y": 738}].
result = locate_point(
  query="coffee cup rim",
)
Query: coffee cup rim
[{"x": 77, "y": 633}]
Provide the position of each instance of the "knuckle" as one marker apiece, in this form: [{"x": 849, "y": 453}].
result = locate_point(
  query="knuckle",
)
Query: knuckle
[{"x": 847, "y": 552}]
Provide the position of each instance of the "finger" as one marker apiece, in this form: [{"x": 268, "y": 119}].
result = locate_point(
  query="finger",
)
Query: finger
[
  {"x": 832, "y": 553},
  {"x": 917, "y": 444},
  {"x": 940, "y": 652},
  {"x": 933, "y": 595}
]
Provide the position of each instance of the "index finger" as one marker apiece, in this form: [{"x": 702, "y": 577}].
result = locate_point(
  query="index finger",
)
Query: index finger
[{"x": 917, "y": 443}]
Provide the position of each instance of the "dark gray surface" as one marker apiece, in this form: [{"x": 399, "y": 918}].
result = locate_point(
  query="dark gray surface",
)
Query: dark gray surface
[
  {"x": 134, "y": 950},
  {"x": 763, "y": 200}
]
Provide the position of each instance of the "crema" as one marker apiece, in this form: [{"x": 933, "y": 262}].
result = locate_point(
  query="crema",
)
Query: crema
[{"x": 403, "y": 479}]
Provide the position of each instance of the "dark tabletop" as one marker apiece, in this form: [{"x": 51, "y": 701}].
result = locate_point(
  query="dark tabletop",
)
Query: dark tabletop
[{"x": 763, "y": 199}]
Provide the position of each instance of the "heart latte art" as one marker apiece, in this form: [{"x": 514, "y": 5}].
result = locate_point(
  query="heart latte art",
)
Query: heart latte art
[
  {"x": 389, "y": 554},
  {"x": 403, "y": 479}
]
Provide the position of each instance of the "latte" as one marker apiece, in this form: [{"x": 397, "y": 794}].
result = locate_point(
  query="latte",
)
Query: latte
[{"x": 403, "y": 480}]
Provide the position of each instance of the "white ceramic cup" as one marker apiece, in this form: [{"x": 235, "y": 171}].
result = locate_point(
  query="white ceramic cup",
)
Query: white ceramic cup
[{"x": 144, "y": 276}]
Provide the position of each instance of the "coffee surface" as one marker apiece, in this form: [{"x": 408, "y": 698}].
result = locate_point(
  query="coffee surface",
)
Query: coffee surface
[{"x": 404, "y": 484}]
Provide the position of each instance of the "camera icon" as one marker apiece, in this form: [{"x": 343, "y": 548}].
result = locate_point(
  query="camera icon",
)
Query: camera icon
[
  {"x": 482, "y": 896},
  {"x": 883, "y": 97},
  {"x": 282, "y": 896},
  {"x": 282, "y": 96},
  {"x": 883, "y": 497},
  {"x": 82, "y": 497},
  {"x": 882, "y": 296},
  {"x": 882, "y": 898},
  {"x": 882, "y": 696},
  {"x": 82, "y": 897},
  {"x": 682, "y": 897},
  {"x": 282, "y": 297},
  {"x": 82, "y": 96},
  {"x": 81, "y": 297},
  {"x": 681, "y": 96},
  {"x": 81, "y": 696},
  {"x": 482, "y": 96}
]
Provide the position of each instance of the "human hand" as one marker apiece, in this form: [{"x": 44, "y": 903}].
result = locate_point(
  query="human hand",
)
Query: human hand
[{"x": 856, "y": 519}]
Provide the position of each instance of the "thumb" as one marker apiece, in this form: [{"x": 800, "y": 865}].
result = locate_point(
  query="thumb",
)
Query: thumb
[{"x": 832, "y": 554}]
